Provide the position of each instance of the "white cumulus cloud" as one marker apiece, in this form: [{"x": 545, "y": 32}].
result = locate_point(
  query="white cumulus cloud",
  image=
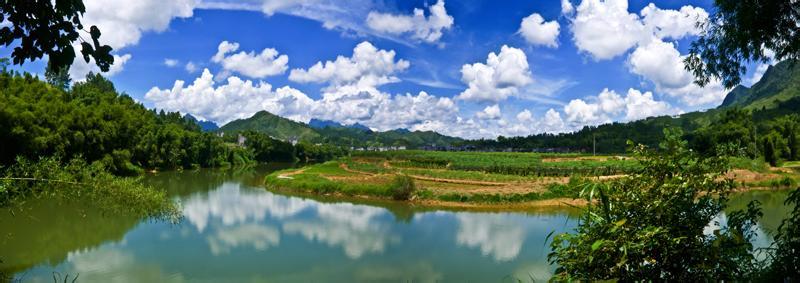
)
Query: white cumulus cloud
[
  {"x": 261, "y": 65},
  {"x": 537, "y": 31},
  {"x": 609, "y": 106},
  {"x": 122, "y": 24},
  {"x": 428, "y": 29},
  {"x": 368, "y": 66},
  {"x": 605, "y": 29},
  {"x": 236, "y": 99},
  {"x": 490, "y": 112},
  {"x": 169, "y": 62},
  {"x": 673, "y": 24},
  {"x": 660, "y": 63},
  {"x": 500, "y": 77}
]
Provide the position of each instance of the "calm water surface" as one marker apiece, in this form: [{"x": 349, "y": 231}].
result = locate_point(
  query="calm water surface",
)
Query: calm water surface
[{"x": 235, "y": 231}]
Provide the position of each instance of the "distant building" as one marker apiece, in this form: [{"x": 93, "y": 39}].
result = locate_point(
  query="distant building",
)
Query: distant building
[{"x": 241, "y": 140}]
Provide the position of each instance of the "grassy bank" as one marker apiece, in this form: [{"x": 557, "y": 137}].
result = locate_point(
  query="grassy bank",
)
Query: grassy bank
[
  {"x": 370, "y": 178},
  {"x": 75, "y": 179},
  {"x": 473, "y": 178}
]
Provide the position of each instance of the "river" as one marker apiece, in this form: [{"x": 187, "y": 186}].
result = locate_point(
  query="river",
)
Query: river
[{"x": 233, "y": 230}]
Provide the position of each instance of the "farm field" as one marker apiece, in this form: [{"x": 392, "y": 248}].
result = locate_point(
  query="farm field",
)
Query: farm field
[{"x": 484, "y": 179}]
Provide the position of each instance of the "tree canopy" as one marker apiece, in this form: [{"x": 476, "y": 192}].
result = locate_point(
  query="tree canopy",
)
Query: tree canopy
[
  {"x": 742, "y": 31},
  {"x": 45, "y": 27}
]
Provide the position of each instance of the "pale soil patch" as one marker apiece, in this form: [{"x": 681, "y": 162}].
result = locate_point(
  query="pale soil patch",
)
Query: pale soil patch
[
  {"x": 782, "y": 169},
  {"x": 742, "y": 175},
  {"x": 288, "y": 175}
]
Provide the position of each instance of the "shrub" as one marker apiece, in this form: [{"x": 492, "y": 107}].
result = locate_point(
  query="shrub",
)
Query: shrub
[
  {"x": 642, "y": 227},
  {"x": 402, "y": 188}
]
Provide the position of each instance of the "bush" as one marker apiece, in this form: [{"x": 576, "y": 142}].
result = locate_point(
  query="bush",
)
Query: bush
[
  {"x": 402, "y": 187},
  {"x": 642, "y": 227}
]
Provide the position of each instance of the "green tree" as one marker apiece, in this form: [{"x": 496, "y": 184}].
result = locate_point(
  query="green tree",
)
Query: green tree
[
  {"x": 741, "y": 31},
  {"x": 57, "y": 77},
  {"x": 770, "y": 154},
  {"x": 45, "y": 27},
  {"x": 794, "y": 147},
  {"x": 650, "y": 225}
]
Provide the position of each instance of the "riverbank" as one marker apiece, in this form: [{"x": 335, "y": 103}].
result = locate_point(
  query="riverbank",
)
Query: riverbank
[{"x": 371, "y": 178}]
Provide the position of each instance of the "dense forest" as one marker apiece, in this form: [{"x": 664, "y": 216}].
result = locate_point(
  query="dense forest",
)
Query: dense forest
[{"x": 95, "y": 122}]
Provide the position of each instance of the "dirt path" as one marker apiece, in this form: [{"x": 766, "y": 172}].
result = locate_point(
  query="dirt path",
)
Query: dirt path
[
  {"x": 346, "y": 168},
  {"x": 288, "y": 175},
  {"x": 455, "y": 181}
]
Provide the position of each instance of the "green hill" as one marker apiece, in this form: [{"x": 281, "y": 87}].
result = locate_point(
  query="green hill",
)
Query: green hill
[
  {"x": 273, "y": 125},
  {"x": 780, "y": 83},
  {"x": 284, "y": 129}
]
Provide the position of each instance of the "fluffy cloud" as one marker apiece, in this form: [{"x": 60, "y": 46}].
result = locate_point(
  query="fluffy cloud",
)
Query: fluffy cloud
[
  {"x": 552, "y": 122},
  {"x": 190, "y": 67},
  {"x": 673, "y": 24},
  {"x": 660, "y": 63},
  {"x": 234, "y": 100},
  {"x": 525, "y": 116},
  {"x": 237, "y": 99},
  {"x": 490, "y": 112},
  {"x": 428, "y": 29},
  {"x": 79, "y": 68},
  {"x": 170, "y": 62},
  {"x": 605, "y": 29},
  {"x": 566, "y": 7},
  {"x": 122, "y": 24},
  {"x": 640, "y": 105},
  {"x": 267, "y": 63},
  {"x": 501, "y": 76},
  {"x": 382, "y": 111},
  {"x": 538, "y": 32},
  {"x": 368, "y": 66},
  {"x": 609, "y": 105}
]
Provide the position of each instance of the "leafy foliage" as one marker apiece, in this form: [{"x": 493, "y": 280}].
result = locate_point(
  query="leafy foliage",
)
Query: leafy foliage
[
  {"x": 402, "y": 187},
  {"x": 784, "y": 255},
  {"x": 95, "y": 122},
  {"x": 739, "y": 32},
  {"x": 45, "y": 27},
  {"x": 651, "y": 225}
]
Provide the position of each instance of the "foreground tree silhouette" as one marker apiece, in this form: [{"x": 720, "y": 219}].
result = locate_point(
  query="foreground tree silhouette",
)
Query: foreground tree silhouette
[
  {"x": 47, "y": 27},
  {"x": 652, "y": 225},
  {"x": 742, "y": 31}
]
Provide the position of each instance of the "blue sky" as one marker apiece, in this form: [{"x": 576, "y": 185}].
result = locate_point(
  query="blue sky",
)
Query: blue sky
[{"x": 556, "y": 65}]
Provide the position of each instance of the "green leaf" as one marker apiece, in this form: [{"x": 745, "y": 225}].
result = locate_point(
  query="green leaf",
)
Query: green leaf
[{"x": 597, "y": 244}]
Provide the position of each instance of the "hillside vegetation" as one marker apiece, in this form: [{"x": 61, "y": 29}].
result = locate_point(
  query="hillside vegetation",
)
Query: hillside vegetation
[{"x": 334, "y": 133}]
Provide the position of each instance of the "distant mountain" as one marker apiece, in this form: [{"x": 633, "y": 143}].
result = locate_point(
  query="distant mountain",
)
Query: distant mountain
[
  {"x": 316, "y": 130},
  {"x": 359, "y": 127},
  {"x": 273, "y": 125},
  {"x": 779, "y": 83},
  {"x": 206, "y": 126},
  {"x": 321, "y": 124}
]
